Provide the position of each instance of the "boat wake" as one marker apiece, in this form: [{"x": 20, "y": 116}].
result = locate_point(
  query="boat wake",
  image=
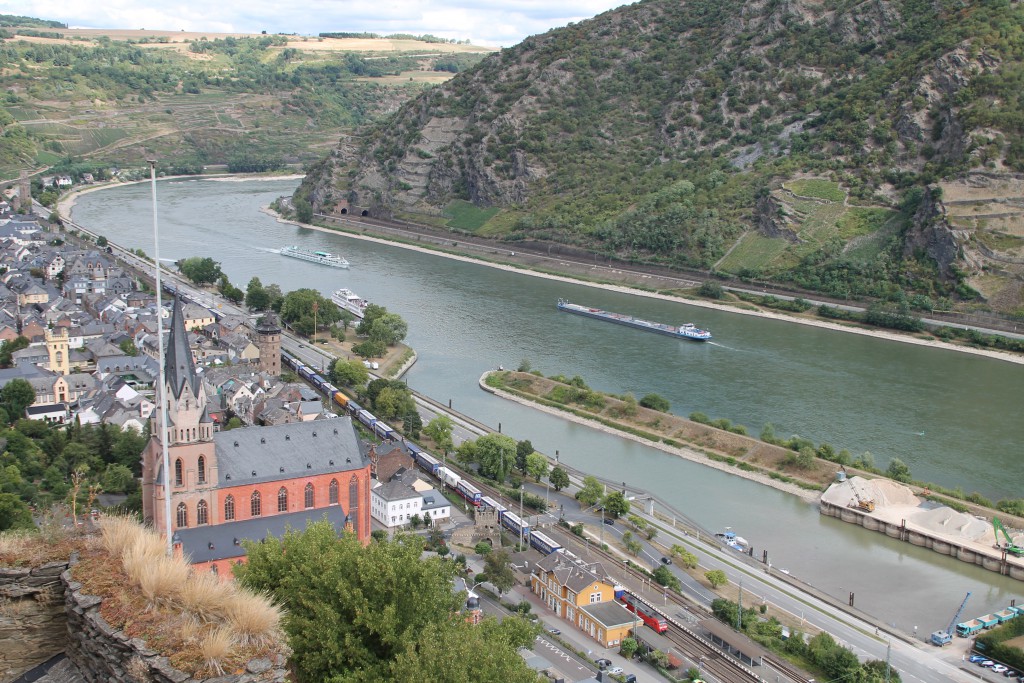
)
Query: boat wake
[
  {"x": 721, "y": 346},
  {"x": 267, "y": 250}
]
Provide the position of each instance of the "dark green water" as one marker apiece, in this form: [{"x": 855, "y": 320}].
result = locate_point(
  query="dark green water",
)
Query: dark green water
[{"x": 953, "y": 418}]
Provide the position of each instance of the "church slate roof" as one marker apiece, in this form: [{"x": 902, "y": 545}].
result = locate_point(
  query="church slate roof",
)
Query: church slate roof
[
  {"x": 178, "y": 365},
  {"x": 301, "y": 449},
  {"x": 196, "y": 541}
]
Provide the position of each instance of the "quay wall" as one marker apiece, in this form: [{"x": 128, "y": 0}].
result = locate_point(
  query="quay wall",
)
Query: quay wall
[{"x": 964, "y": 551}]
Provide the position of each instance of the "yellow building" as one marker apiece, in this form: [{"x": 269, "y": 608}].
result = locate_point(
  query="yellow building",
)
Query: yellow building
[{"x": 583, "y": 594}]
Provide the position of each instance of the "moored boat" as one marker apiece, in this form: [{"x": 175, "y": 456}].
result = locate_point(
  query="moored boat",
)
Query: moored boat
[
  {"x": 684, "y": 331},
  {"x": 324, "y": 258},
  {"x": 347, "y": 300}
]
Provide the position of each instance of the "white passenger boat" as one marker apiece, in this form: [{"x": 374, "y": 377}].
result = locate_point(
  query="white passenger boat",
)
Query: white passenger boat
[
  {"x": 348, "y": 300},
  {"x": 324, "y": 258}
]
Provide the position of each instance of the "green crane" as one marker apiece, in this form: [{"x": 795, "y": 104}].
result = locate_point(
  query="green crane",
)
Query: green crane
[{"x": 1010, "y": 546}]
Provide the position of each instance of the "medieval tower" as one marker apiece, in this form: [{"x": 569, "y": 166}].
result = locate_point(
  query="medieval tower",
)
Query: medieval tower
[{"x": 268, "y": 341}]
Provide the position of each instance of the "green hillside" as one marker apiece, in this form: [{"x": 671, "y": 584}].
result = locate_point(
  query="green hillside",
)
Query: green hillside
[
  {"x": 75, "y": 100},
  {"x": 668, "y": 133}
]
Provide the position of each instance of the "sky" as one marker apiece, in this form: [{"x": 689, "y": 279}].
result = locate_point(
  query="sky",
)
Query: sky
[{"x": 498, "y": 23}]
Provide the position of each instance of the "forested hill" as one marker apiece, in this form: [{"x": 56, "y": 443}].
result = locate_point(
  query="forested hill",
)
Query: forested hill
[{"x": 858, "y": 147}]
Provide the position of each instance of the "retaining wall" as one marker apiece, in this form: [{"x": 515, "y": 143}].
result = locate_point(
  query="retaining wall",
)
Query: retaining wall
[
  {"x": 33, "y": 624},
  {"x": 993, "y": 560}
]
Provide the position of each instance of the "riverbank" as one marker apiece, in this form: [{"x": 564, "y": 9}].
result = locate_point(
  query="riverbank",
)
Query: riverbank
[
  {"x": 701, "y": 303},
  {"x": 721, "y": 462}
]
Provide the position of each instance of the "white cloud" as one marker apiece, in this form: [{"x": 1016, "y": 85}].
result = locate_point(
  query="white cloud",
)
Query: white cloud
[{"x": 498, "y": 22}]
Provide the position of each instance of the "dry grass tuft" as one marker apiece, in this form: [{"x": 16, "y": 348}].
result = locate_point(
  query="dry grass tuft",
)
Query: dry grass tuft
[
  {"x": 254, "y": 618},
  {"x": 159, "y": 578},
  {"x": 119, "y": 532},
  {"x": 205, "y": 596},
  {"x": 215, "y": 648}
]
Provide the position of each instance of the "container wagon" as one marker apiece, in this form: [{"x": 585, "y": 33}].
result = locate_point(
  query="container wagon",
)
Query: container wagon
[
  {"x": 469, "y": 492},
  {"x": 367, "y": 418},
  {"x": 511, "y": 521},
  {"x": 489, "y": 502},
  {"x": 428, "y": 462},
  {"x": 448, "y": 477},
  {"x": 354, "y": 408},
  {"x": 341, "y": 399},
  {"x": 382, "y": 430},
  {"x": 543, "y": 543}
]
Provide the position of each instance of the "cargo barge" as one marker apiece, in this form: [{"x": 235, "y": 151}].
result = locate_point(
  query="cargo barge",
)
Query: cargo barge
[{"x": 684, "y": 331}]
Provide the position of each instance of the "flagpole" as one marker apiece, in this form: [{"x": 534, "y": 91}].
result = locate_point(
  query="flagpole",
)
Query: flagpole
[{"x": 162, "y": 380}]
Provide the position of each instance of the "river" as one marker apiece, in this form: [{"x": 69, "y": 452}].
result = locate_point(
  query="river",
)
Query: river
[{"x": 953, "y": 418}]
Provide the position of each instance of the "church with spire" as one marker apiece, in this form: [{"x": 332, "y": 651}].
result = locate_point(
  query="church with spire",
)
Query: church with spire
[{"x": 227, "y": 486}]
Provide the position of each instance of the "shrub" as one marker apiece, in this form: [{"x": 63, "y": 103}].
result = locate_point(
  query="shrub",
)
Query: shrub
[
  {"x": 215, "y": 647},
  {"x": 253, "y": 618}
]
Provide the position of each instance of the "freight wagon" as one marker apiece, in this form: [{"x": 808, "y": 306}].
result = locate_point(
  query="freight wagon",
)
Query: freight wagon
[
  {"x": 448, "y": 477},
  {"x": 469, "y": 492},
  {"x": 543, "y": 543}
]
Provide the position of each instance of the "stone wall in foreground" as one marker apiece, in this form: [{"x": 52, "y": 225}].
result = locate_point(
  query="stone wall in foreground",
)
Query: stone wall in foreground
[
  {"x": 33, "y": 624},
  {"x": 43, "y": 612}
]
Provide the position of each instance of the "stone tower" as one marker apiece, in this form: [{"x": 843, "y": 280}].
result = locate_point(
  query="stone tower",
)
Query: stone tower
[
  {"x": 57, "y": 347},
  {"x": 190, "y": 446},
  {"x": 268, "y": 341},
  {"x": 23, "y": 200}
]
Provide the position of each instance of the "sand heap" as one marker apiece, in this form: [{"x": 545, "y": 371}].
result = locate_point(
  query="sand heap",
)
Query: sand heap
[{"x": 895, "y": 502}]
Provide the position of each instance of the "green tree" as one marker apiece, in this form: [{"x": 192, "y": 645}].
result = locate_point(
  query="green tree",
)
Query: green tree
[
  {"x": 14, "y": 513},
  {"x": 389, "y": 329},
  {"x": 629, "y": 405},
  {"x": 370, "y": 349},
  {"x": 523, "y": 449},
  {"x": 9, "y": 347},
  {"x": 118, "y": 479},
  {"x": 128, "y": 347},
  {"x": 15, "y": 397},
  {"x": 466, "y": 452},
  {"x": 256, "y": 297},
  {"x": 716, "y": 577},
  {"x": 655, "y": 402},
  {"x": 440, "y": 432},
  {"x": 592, "y": 491},
  {"x": 297, "y": 311},
  {"x": 483, "y": 548},
  {"x": 805, "y": 458},
  {"x": 497, "y": 566},
  {"x": 559, "y": 478},
  {"x": 684, "y": 556},
  {"x": 633, "y": 546},
  {"x": 496, "y": 455},
  {"x": 463, "y": 652},
  {"x": 233, "y": 423},
  {"x": 349, "y": 611},
  {"x": 616, "y": 504},
  {"x": 665, "y": 577},
  {"x": 200, "y": 270},
  {"x": 898, "y": 470},
  {"x": 370, "y": 314},
  {"x": 536, "y": 466},
  {"x": 628, "y": 647},
  {"x": 349, "y": 373}
]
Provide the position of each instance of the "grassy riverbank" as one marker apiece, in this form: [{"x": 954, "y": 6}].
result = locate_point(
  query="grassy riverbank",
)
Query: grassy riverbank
[{"x": 795, "y": 468}]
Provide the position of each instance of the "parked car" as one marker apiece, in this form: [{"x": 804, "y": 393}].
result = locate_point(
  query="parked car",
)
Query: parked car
[
  {"x": 554, "y": 632},
  {"x": 629, "y": 678},
  {"x": 609, "y": 521},
  {"x": 986, "y": 663},
  {"x": 1010, "y": 673},
  {"x": 603, "y": 663},
  {"x": 977, "y": 658},
  {"x": 999, "y": 668},
  {"x": 615, "y": 670},
  {"x": 666, "y": 560}
]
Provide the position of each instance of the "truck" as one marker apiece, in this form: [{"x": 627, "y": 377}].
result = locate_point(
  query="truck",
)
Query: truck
[
  {"x": 1006, "y": 614},
  {"x": 989, "y": 620},
  {"x": 969, "y": 628}
]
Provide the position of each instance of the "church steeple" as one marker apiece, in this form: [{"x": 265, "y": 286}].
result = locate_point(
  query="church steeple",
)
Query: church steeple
[
  {"x": 178, "y": 365},
  {"x": 187, "y": 418}
]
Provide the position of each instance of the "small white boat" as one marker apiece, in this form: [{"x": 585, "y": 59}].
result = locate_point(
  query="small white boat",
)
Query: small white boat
[{"x": 733, "y": 541}]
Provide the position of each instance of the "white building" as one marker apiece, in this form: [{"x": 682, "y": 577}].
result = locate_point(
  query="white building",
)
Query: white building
[
  {"x": 394, "y": 503},
  {"x": 435, "y": 506}
]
